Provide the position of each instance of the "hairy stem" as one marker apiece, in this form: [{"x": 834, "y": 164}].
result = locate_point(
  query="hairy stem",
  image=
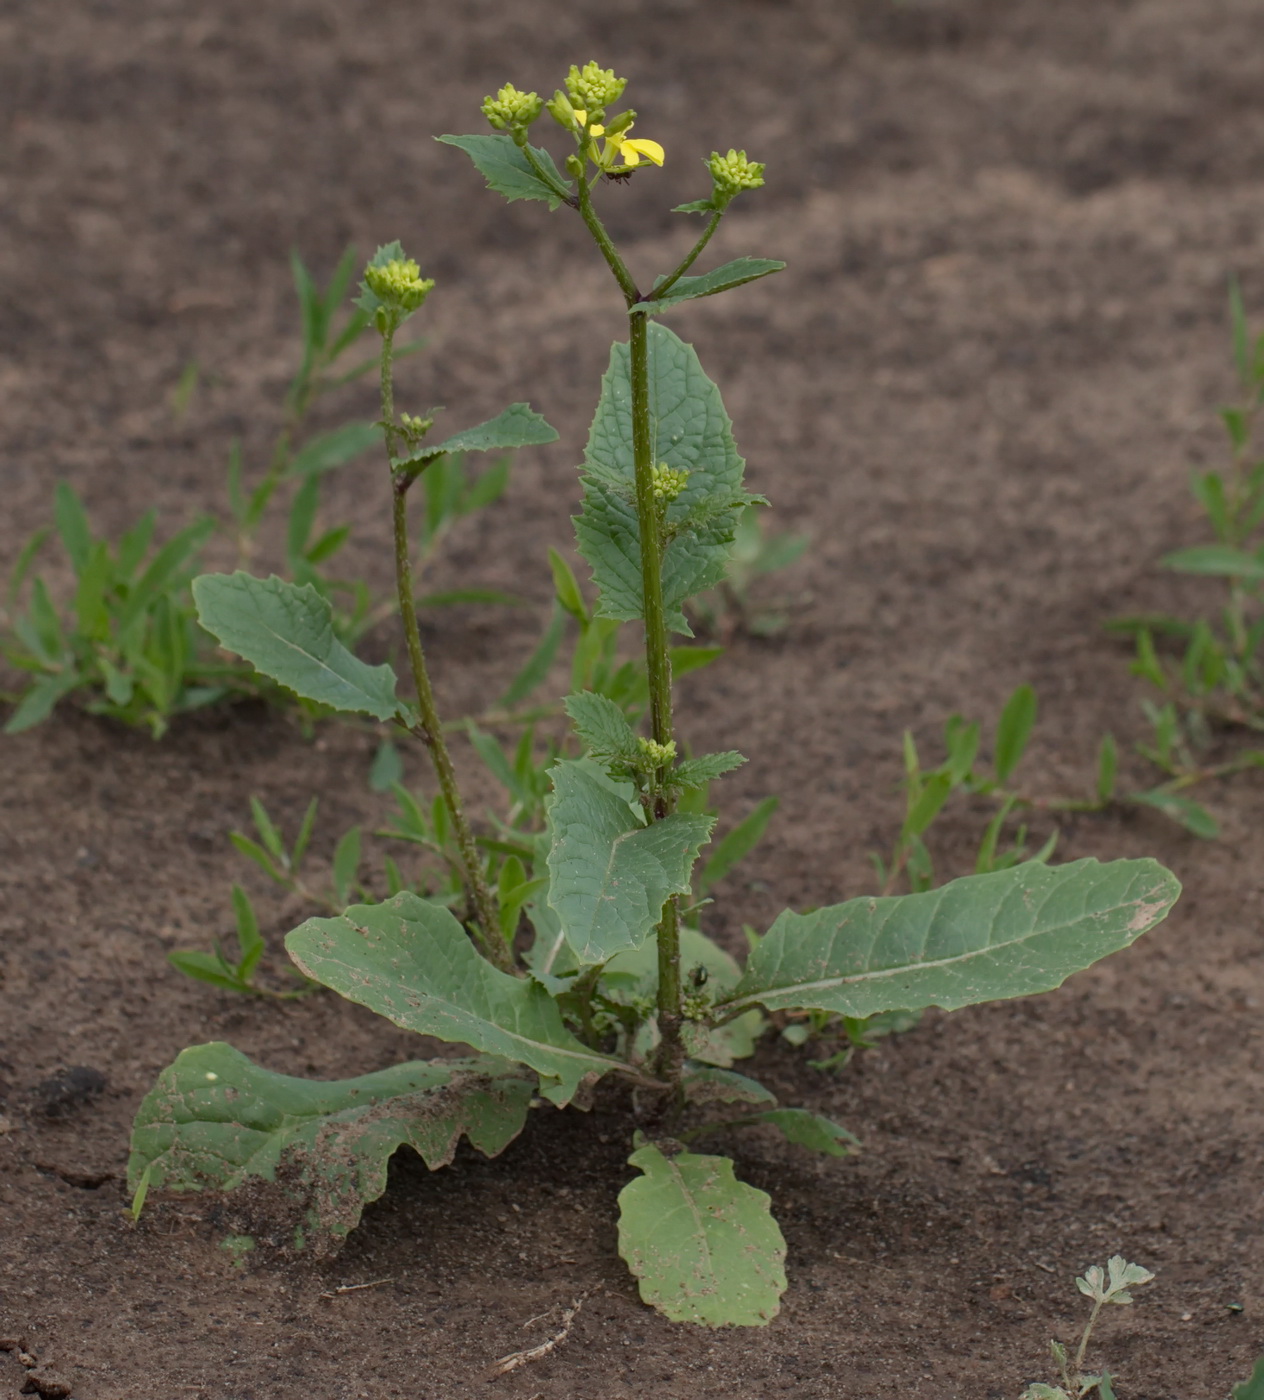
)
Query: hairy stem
[
  {"x": 430, "y": 730},
  {"x": 668, "y": 283}
]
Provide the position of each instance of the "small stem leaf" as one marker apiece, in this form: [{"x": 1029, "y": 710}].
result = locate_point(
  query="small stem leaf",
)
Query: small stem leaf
[
  {"x": 611, "y": 875},
  {"x": 508, "y": 171},
  {"x": 566, "y": 587},
  {"x": 719, "y": 279},
  {"x": 703, "y": 1245},
  {"x": 706, "y": 1084},
  {"x": 736, "y": 845},
  {"x": 518, "y": 426},
  {"x": 601, "y": 724},
  {"x": 698, "y": 772},
  {"x": 327, "y": 451},
  {"x": 216, "y": 1120},
  {"x": 411, "y": 961},
  {"x": 1013, "y": 730},
  {"x": 690, "y": 432},
  {"x": 982, "y": 938},
  {"x": 807, "y": 1129},
  {"x": 287, "y": 633}
]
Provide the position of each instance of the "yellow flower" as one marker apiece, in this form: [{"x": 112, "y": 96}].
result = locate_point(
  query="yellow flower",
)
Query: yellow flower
[{"x": 629, "y": 152}]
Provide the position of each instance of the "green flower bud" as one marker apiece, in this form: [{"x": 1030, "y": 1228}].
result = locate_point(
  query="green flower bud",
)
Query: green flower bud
[
  {"x": 563, "y": 113},
  {"x": 733, "y": 173},
  {"x": 657, "y": 755},
  {"x": 669, "y": 482},
  {"x": 511, "y": 108},
  {"x": 594, "y": 88},
  {"x": 398, "y": 283},
  {"x": 574, "y": 166}
]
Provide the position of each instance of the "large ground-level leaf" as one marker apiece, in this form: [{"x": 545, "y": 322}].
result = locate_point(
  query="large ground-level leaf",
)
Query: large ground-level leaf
[
  {"x": 412, "y": 962},
  {"x": 703, "y": 1245},
  {"x": 981, "y": 938},
  {"x": 610, "y": 875},
  {"x": 286, "y": 632},
  {"x": 215, "y": 1120}
]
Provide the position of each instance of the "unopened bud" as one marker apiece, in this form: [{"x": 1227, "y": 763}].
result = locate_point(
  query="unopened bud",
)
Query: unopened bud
[
  {"x": 594, "y": 88},
  {"x": 669, "y": 482},
  {"x": 657, "y": 755},
  {"x": 398, "y": 283},
  {"x": 511, "y": 109},
  {"x": 733, "y": 173}
]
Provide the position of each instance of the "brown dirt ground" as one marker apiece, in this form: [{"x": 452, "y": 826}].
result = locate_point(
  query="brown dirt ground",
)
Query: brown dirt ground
[{"x": 980, "y": 387}]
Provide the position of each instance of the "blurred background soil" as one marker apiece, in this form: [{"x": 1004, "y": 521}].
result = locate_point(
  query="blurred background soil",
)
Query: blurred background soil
[{"x": 980, "y": 387}]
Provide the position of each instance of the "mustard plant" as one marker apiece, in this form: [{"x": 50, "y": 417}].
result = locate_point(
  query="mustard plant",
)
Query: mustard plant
[{"x": 611, "y": 975}]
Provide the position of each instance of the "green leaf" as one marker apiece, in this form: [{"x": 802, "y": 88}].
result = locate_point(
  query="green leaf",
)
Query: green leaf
[
  {"x": 1220, "y": 560},
  {"x": 334, "y": 449},
  {"x": 691, "y": 431},
  {"x": 387, "y": 768},
  {"x": 39, "y": 700},
  {"x": 1252, "y": 1389},
  {"x": 696, "y": 206},
  {"x": 736, "y": 845},
  {"x": 1107, "y": 762},
  {"x": 600, "y": 723},
  {"x": 706, "y": 768},
  {"x": 703, "y": 1245},
  {"x": 216, "y": 1120},
  {"x": 1194, "y": 817},
  {"x": 72, "y": 524},
  {"x": 537, "y": 666},
  {"x": 286, "y": 632},
  {"x": 565, "y": 587},
  {"x": 610, "y": 875},
  {"x": 706, "y": 1084},
  {"x": 807, "y": 1129},
  {"x": 518, "y": 426},
  {"x": 1013, "y": 730},
  {"x": 208, "y": 968},
  {"x": 508, "y": 171},
  {"x": 719, "y": 279},
  {"x": 346, "y": 864},
  {"x": 249, "y": 939},
  {"x": 982, "y": 938},
  {"x": 411, "y": 961}
]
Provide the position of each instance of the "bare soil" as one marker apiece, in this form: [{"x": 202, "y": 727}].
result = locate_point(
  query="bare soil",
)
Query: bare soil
[{"x": 980, "y": 387}]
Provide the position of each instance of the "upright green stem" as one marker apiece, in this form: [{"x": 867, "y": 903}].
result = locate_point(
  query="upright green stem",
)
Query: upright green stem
[
  {"x": 430, "y": 729},
  {"x": 669, "y": 282}
]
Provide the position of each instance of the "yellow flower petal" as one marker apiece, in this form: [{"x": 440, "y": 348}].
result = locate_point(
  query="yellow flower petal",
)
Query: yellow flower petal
[{"x": 633, "y": 150}]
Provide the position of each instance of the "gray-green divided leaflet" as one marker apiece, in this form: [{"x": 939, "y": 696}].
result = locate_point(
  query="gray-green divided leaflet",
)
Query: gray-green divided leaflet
[
  {"x": 508, "y": 171},
  {"x": 981, "y": 938},
  {"x": 215, "y": 1120},
  {"x": 286, "y": 633},
  {"x": 691, "y": 432},
  {"x": 609, "y": 873},
  {"x": 412, "y": 962},
  {"x": 703, "y": 1245}
]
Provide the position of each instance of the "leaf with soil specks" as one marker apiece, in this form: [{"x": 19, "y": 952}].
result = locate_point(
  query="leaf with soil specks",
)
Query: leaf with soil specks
[
  {"x": 412, "y": 962},
  {"x": 1254, "y": 1388},
  {"x": 216, "y": 1119},
  {"x": 703, "y": 1245},
  {"x": 286, "y": 632},
  {"x": 981, "y": 938}
]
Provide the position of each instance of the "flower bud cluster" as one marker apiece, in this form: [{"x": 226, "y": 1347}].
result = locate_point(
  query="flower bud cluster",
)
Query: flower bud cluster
[
  {"x": 398, "y": 283},
  {"x": 511, "y": 109},
  {"x": 657, "y": 755},
  {"x": 733, "y": 173},
  {"x": 668, "y": 482},
  {"x": 593, "y": 88}
]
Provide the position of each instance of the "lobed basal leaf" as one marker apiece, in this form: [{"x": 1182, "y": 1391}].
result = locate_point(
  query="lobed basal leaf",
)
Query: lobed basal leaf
[
  {"x": 216, "y": 1120},
  {"x": 412, "y": 962},
  {"x": 703, "y": 1245}
]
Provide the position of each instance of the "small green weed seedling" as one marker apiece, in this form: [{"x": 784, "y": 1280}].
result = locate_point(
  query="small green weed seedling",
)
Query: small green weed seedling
[
  {"x": 1217, "y": 680},
  {"x": 1110, "y": 1285},
  {"x": 128, "y": 644},
  {"x": 612, "y": 976},
  {"x": 731, "y": 606}
]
